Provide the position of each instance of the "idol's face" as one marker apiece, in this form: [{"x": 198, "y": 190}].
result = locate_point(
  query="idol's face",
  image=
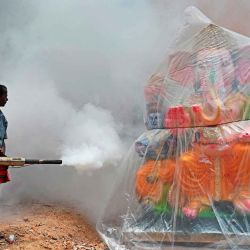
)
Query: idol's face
[{"x": 214, "y": 70}]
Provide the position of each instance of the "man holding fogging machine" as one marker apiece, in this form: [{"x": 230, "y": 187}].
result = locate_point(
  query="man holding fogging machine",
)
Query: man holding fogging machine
[
  {"x": 4, "y": 177},
  {"x": 5, "y": 162}
]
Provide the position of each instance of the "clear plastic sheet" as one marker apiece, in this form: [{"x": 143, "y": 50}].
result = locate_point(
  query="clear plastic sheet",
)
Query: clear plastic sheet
[{"x": 186, "y": 180}]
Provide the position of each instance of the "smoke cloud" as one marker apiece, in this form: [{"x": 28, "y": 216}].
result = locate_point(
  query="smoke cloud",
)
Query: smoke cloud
[
  {"x": 75, "y": 71},
  {"x": 91, "y": 139}
]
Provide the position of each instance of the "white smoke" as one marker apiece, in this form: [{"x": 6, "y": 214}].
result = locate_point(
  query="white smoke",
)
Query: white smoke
[{"x": 91, "y": 139}]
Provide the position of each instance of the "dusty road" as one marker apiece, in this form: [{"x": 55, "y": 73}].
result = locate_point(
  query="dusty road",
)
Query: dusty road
[{"x": 46, "y": 226}]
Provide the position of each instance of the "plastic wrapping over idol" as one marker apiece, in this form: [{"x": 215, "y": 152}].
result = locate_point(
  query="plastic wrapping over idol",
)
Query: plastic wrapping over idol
[
  {"x": 186, "y": 180},
  {"x": 212, "y": 81}
]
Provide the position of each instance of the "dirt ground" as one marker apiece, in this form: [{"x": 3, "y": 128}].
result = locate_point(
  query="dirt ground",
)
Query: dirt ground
[{"x": 46, "y": 226}]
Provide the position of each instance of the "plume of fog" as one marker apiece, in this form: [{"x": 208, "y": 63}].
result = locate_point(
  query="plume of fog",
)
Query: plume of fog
[
  {"x": 75, "y": 72},
  {"x": 94, "y": 140}
]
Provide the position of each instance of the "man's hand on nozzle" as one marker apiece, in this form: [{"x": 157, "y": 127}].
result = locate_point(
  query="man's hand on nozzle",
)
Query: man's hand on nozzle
[{"x": 2, "y": 151}]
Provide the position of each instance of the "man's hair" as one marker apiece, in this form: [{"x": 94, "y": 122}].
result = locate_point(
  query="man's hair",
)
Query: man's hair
[{"x": 3, "y": 89}]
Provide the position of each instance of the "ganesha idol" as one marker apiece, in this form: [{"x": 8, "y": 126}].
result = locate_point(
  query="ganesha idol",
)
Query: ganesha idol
[{"x": 201, "y": 107}]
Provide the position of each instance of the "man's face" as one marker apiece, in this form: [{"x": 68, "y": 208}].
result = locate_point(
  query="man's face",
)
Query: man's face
[
  {"x": 3, "y": 99},
  {"x": 215, "y": 69}
]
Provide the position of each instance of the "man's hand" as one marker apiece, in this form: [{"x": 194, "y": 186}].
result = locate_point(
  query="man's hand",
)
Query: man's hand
[{"x": 2, "y": 151}]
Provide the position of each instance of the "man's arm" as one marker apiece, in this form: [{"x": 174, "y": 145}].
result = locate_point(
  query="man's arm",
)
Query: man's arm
[{"x": 2, "y": 150}]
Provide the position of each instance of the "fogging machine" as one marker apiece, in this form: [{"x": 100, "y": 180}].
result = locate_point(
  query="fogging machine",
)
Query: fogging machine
[{"x": 23, "y": 162}]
